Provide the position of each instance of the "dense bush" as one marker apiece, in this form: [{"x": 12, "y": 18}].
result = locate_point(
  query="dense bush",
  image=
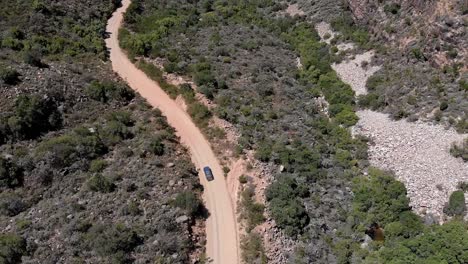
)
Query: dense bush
[
  {"x": 11, "y": 175},
  {"x": 106, "y": 91},
  {"x": 64, "y": 150},
  {"x": 114, "y": 241},
  {"x": 252, "y": 249},
  {"x": 32, "y": 117},
  {"x": 157, "y": 146},
  {"x": 189, "y": 202},
  {"x": 456, "y": 205},
  {"x": 438, "y": 244},
  {"x": 378, "y": 198},
  {"x": 100, "y": 183},
  {"x": 11, "y": 204},
  {"x": 12, "y": 248},
  {"x": 199, "y": 113},
  {"x": 8, "y": 75},
  {"x": 284, "y": 197},
  {"x": 251, "y": 211}
]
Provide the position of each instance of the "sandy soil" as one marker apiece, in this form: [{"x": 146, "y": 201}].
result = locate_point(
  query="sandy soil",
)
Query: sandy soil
[{"x": 221, "y": 226}]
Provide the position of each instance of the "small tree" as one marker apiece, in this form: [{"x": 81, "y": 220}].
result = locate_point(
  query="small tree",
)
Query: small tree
[
  {"x": 9, "y": 76},
  {"x": 157, "y": 147},
  {"x": 12, "y": 247},
  {"x": 189, "y": 202},
  {"x": 456, "y": 205},
  {"x": 10, "y": 175},
  {"x": 99, "y": 183}
]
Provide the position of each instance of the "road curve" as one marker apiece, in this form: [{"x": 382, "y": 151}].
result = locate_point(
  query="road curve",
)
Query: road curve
[{"x": 221, "y": 231}]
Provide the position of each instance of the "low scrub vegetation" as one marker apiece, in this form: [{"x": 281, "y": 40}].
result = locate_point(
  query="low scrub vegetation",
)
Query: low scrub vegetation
[{"x": 243, "y": 56}]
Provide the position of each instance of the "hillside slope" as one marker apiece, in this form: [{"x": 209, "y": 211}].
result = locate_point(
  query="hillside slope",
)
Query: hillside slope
[{"x": 88, "y": 170}]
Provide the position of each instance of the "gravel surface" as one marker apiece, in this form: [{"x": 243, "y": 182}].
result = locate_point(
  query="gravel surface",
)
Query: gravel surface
[
  {"x": 351, "y": 72},
  {"x": 418, "y": 153}
]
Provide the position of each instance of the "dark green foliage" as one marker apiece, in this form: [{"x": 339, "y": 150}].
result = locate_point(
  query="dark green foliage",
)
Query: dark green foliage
[
  {"x": 106, "y": 91},
  {"x": 392, "y": 8},
  {"x": 446, "y": 243},
  {"x": 12, "y": 248},
  {"x": 117, "y": 127},
  {"x": 350, "y": 31},
  {"x": 100, "y": 183},
  {"x": 284, "y": 197},
  {"x": 113, "y": 241},
  {"x": 32, "y": 58},
  {"x": 199, "y": 113},
  {"x": 443, "y": 106},
  {"x": 8, "y": 75},
  {"x": 371, "y": 100},
  {"x": 156, "y": 74},
  {"x": 251, "y": 210},
  {"x": 418, "y": 54},
  {"x": 11, "y": 175},
  {"x": 157, "y": 146},
  {"x": 189, "y": 202},
  {"x": 378, "y": 198},
  {"x": 67, "y": 149},
  {"x": 11, "y": 204},
  {"x": 252, "y": 249},
  {"x": 97, "y": 165},
  {"x": 33, "y": 116},
  {"x": 456, "y": 205}
]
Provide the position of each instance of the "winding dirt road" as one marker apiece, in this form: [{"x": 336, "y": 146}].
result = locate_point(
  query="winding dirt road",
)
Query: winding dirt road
[{"x": 221, "y": 229}]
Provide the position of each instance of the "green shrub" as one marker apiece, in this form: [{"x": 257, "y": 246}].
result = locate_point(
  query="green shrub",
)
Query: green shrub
[
  {"x": 33, "y": 116},
  {"x": 67, "y": 149},
  {"x": 251, "y": 210},
  {"x": 392, "y": 8},
  {"x": 286, "y": 208},
  {"x": 347, "y": 118},
  {"x": 97, "y": 165},
  {"x": 371, "y": 100},
  {"x": 189, "y": 202},
  {"x": 460, "y": 150},
  {"x": 9, "y": 76},
  {"x": 99, "y": 183},
  {"x": 456, "y": 205},
  {"x": 199, "y": 113},
  {"x": 11, "y": 204},
  {"x": 243, "y": 179},
  {"x": 113, "y": 241},
  {"x": 157, "y": 146},
  {"x": 12, "y": 248},
  {"x": 418, "y": 54},
  {"x": 11, "y": 175},
  {"x": 443, "y": 106},
  {"x": 107, "y": 91},
  {"x": 32, "y": 58},
  {"x": 252, "y": 249},
  {"x": 378, "y": 199}
]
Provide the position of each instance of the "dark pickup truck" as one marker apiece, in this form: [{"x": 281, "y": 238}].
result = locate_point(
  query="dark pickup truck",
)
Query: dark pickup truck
[{"x": 208, "y": 173}]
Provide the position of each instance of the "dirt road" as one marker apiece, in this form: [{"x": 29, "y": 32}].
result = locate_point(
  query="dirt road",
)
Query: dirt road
[{"x": 221, "y": 230}]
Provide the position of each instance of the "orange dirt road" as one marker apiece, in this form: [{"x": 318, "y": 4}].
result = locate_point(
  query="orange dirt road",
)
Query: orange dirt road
[{"x": 221, "y": 230}]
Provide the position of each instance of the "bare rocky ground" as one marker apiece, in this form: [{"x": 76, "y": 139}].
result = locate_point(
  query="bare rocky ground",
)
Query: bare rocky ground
[{"x": 418, "y": 153}]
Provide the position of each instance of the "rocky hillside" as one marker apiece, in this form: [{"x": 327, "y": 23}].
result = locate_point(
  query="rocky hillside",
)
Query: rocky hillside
[
  {"x": 88, "y": 171},
  {"x": 423, "y": 45},
  {"x": 270, "y": 76}
]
